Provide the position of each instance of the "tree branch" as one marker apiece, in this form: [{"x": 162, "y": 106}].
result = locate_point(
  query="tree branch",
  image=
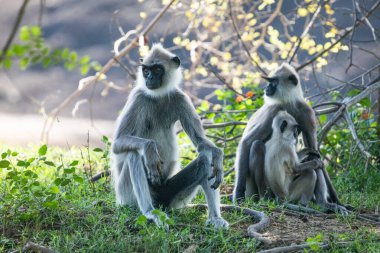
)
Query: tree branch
[{"x": 20, "y": 15}]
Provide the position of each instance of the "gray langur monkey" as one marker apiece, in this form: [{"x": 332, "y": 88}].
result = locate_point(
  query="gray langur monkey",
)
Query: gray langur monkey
[
  {"x": 145, "y": 156},
  {"x": 283, "y": 92},
  {"x": 284, "y": 174}
]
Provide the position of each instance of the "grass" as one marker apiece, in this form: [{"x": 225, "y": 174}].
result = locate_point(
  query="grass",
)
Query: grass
[{"x": 46, "y": 198}]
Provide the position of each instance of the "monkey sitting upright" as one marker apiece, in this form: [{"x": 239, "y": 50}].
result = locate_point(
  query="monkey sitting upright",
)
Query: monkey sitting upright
[
  {"x": 145, "y": 153},
  {"x": 283, "y": 92},
  {"x": 282, "y": 166}
]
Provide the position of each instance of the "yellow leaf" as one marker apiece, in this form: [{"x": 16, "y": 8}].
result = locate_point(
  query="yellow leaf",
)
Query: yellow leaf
[
  {"x": 143, "y": 15},
  {"x": 227, "y": 56},
  {"x": 177, "y": 40},
  {"x": 214, "y": 60},
  {"x": 302, "y": 12}
]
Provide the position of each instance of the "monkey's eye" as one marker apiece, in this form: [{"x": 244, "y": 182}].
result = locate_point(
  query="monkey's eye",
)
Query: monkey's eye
[
  {"x": 145, "y": 71},
  {"x": 158, "y": 70}
]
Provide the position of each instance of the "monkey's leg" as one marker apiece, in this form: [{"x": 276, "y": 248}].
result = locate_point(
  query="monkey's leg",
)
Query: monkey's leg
[
  {"x": 257, "y": 169},
  {"x": 302, "y": 188},
  {"x": 140, "y": 186},
  {"x": 241, "y": 170},
  {"x": 123, "y": 185},
  {"x": 179, "y": 189},
  {"x": 321, "y": 195}
]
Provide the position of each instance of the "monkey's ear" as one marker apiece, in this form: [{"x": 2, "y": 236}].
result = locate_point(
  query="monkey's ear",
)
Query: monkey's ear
[
  {"x": 283, "y": 126},
  {"x": 293, "y": 79},
  {"x": 176, "y": 61}
]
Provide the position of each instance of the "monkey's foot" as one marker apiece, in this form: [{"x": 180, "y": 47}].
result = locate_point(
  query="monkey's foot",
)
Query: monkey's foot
[
  {"x": 217, "y": 222},
  {"x": 159, "y": 221},
  {"x": 336, "y": 208}
]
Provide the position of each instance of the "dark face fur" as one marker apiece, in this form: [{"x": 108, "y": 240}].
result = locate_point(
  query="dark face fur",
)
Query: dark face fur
[
  {"x": 154, "y": 74},
  {"x": 273, "y": 83}
]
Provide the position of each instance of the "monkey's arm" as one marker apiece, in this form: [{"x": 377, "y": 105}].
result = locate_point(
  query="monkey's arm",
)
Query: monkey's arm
[
  {"x": 192, "y": 126},
  {"x": 309, "y": 165},
  {"x": 148, "y": 148},
  {"x": 126, "y": 143}
]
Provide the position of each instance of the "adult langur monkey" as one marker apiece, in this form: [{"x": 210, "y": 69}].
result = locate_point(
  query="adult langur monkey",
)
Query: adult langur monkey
[
  {"x": 145, "y": 162},
  {"x": 283, "y": 92}
]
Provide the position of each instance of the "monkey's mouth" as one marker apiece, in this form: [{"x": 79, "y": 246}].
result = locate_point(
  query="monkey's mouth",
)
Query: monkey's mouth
[
  {"x": 270, "y": 89},
  {"x": 153, "y": 84}
]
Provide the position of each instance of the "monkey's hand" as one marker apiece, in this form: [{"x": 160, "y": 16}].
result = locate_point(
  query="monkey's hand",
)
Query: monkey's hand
[
  {"x": 217, "y": 168},
  {"x": 153, "y": 163}
]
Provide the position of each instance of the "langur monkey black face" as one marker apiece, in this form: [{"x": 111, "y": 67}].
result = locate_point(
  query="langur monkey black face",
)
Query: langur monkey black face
[
  {"x": 282, "y": 78},
  {"x": 155, "y": 72}
]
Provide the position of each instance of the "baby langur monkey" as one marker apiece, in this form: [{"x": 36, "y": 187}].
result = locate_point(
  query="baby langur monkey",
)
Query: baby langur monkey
[
  {"x": 145, "y": 154},
  {"x": 282, "y": 165}
]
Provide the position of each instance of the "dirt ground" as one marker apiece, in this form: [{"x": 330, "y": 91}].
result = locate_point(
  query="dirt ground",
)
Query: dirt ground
[{"x": 290, "y": 227}]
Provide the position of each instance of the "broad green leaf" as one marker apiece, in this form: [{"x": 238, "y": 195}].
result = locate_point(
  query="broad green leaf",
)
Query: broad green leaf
[
  {"x": 24, "y": 63},
  {"x": 43, "y": 149},
  {"x": 24, "y": 34},
  {"x": 84, "y": 60},
  {"x": 4, "y": 164},
  {"x": 36, "y": 31}
]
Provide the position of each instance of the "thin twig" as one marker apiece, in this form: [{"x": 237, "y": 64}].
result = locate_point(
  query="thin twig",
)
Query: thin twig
[
  {"x": 225, "y": 124},
  {"x": 217, "y": 75},
  {"x": 19, "y": 18},
  {"x": 306, "y": 31},
  {"x": 241, "y": 40},
  {"x": 355, "y": 136}
]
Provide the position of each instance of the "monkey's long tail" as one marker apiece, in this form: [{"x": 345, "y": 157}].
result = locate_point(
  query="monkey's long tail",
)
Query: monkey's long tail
[{"x": 253, "y": 230}]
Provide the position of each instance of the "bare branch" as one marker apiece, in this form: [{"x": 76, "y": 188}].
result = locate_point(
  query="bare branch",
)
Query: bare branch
[
  {"x": 241, "y": 40},
  {"x": 306, "y": 31},
  {"x": 355, "y": 136},
  {"x": 20, "y": 16},
  {"x": 225, "y": 124}
]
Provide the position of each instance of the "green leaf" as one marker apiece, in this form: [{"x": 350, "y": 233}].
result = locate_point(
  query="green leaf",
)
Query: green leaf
[
  {"x": 24, "y": 34},
  {"x": 51, "y": 204},
  {"x": 74, "y": 163},
  {"x": 58, "y": 181},
  {"x": 3, "y": 155},
  {"x": 50, "y": 163},
  {"x": 21, "y": 163},
  {"x": 78, "y": 179},
  {"x": 36, "y": 31},
  {"x": 7, "y": 63},
  {"x": 323, "y": 118},
  {"x": 43, "y": 149},
  {"x": 54, "y": 189},
  {"x": 18, "y": 50},
  {"x": 73, "y": 56},
  {"x": 24, "y": 63},
  {"x": 46, "y": 62},
  {"x": 4, "y": 164},
  {"x": 366, "y": 102},
  {"x": 65, "y": 182},
  {"x": 98, "y": 150},
  {"x": 65, "y": 53},
  {"x": 84, "y": 69},
  {"x": 84, "y": 60}
]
